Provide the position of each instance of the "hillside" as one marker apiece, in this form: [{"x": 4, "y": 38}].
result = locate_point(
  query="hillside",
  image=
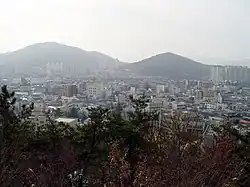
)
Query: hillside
[
  {"x": 169, "y": 65},
  {"x": 33, "y": 59},
  {"x": 38, "y": 55}
]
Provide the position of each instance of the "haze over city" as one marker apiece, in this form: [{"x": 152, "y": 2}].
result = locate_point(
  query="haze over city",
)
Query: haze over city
[
  {"x": 124, "y": 93},
  {"x": 208, "y": 31}
]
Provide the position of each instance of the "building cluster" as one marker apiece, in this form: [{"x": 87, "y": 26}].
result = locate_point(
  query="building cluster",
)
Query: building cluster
[
  {"x": 201, "y": 105},
  {"x": 230, "y": 73}
]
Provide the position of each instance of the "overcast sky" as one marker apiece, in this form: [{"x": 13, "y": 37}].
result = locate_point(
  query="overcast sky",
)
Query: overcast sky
[{"x": 131, "y": 29}]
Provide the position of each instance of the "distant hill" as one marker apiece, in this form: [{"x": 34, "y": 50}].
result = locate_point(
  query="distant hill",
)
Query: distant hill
[
  {"x": 38, "y": 55},
  {"x": 33, "y": 59},
  {"x": 169, "y": 65}
]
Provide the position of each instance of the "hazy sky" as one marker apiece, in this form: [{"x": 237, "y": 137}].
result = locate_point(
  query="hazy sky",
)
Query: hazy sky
[{"x": 131, "y": 29}]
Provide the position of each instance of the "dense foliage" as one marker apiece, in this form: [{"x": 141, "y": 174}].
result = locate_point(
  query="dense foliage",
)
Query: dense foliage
[{"x": 112, "y": 151}]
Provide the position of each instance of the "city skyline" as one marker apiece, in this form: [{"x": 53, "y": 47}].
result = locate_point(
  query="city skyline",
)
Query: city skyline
[
  {"x": 204, "y": 60},
  {"x": 201, "y": 30},
  {"x": 125, "y": 93}
]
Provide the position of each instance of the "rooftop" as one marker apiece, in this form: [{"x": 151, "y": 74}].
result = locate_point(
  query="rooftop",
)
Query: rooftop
[{"x": 66, "y": 120}]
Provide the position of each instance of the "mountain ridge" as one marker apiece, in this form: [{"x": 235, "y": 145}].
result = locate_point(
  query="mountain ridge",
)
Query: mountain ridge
[
  {"x": 38, "y": 55},
  {"x": 35, "y": 57},
  {"x": 169, "y": 65}
]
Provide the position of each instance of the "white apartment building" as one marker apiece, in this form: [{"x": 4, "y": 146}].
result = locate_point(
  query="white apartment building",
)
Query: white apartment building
[
  {"x": 94, "y": 89},
  {"x": 236, "y": 73},
  {"x": 160, "y": 88},
  {"x": 229, "y": 73},
  {"x": 217, "y": 73}
]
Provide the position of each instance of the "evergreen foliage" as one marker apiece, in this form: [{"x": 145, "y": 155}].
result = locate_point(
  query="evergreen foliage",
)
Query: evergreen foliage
[{"x": 113, "y": 151}]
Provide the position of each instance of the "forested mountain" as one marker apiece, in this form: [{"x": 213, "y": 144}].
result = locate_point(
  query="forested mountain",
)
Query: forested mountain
[
  {"x": 171, "y": 66},
  {"x": 38, "y": 55}
]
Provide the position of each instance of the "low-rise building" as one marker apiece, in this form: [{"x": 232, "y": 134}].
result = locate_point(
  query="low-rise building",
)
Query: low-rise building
[
  {"x": 94, "y": 89},
  {"x": 69, "y": 121}
]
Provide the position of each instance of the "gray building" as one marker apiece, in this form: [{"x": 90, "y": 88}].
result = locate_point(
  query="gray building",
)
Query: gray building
[{"x": 229, "y": 73}]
